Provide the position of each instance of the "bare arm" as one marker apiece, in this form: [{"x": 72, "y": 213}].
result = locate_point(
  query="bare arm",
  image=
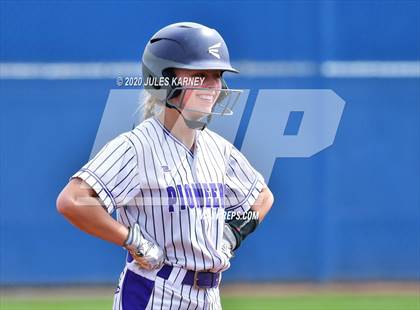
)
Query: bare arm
[
  {"x": 79, "y": 204},
  {"x": 237, "y": 230},
  {"x": 263, "y": 203}
]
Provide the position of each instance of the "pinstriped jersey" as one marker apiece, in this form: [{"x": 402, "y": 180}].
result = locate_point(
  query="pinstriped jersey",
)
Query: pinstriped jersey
[{"x": 178, "y": 197}]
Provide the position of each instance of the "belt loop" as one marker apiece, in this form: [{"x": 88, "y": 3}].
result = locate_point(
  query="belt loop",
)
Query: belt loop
[{"x": 177, "y": 276}]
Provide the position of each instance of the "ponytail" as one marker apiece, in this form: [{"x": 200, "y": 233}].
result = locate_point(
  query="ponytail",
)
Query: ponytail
[{"x": 151, "y": 106}]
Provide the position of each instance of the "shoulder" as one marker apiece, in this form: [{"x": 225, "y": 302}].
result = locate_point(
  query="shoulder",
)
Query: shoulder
[
  {"x": 217, "y": 139},
  {"x": 143, "y": 134},
  {"x": 133, "y": 142},
  {"x": 233, "y": 154}
]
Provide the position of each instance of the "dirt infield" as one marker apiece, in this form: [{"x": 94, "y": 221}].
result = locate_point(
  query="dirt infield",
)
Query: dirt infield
[{"x": 240, "y": 289}]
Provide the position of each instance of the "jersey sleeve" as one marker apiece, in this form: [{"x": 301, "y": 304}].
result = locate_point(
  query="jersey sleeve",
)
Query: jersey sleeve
[
  {"x": 243, "y": 183},
  {"x": 113, "y": 173}
]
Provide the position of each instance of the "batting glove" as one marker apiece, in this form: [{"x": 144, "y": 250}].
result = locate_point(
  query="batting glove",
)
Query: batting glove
[
  {"x": 147, "y": 254},
  {"x": 228, "y": 241}
]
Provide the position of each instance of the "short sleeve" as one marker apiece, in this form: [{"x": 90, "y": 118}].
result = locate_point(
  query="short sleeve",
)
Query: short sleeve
[
  {"x": 243, "y": 183},
  {"x": 113, "y": 173}
]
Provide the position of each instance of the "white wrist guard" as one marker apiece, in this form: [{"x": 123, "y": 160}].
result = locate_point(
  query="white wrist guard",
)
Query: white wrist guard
[{"x": 229, "y": 236}]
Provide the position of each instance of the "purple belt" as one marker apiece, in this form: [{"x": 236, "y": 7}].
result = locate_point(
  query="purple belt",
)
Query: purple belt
[{"x": 198, "y": 279}]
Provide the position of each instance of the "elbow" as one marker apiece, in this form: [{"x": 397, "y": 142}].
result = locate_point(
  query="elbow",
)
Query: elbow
[
  {"x": 272, "y": 198},
  {"x": 64, "y": 204},
  {"x": 269, "y": 198}
]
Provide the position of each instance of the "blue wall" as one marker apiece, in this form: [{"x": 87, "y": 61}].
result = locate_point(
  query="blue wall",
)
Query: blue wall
[{"x": 349, "y": 212}]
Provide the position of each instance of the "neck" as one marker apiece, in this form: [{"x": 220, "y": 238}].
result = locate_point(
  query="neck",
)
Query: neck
[{"x": 174, "y": 122}]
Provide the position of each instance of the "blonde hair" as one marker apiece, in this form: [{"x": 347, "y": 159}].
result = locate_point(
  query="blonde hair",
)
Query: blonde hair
[{"x": 151, "y": 105}]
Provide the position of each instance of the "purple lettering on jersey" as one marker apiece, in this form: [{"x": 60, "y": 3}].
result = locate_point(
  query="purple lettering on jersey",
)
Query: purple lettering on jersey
[
  {"x": 222, "y": 194},
  {"x": 213, "y": 191},
  {"x": 189, "y": 195},
  {"x": 198, "y": 193},
  {"x": 181, "y": 197},
  {"x": 171, "y": 197},
  {"x": 207, "y": 195}
]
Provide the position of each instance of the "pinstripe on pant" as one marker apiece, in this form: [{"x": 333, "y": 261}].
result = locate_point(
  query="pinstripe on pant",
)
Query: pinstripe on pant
[{"x": 148, "y": 291}]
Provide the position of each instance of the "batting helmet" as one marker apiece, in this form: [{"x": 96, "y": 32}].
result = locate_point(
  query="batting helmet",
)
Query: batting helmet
[{"x": 183, "y": 46}]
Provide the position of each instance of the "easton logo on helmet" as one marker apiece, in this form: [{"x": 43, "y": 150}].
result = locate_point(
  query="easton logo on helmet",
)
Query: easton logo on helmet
[{"x": 214, "y": 50}]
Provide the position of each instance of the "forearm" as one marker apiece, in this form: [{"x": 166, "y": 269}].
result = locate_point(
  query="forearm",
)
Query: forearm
[
  {"x": 263, "y": 203},
  {"x": 237, "y": 230},
  {"x": 87, "y": 214},
  {"x": 95, "y": 221}
]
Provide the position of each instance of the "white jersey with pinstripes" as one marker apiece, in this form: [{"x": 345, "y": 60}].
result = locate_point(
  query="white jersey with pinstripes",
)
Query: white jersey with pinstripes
[{"x": 178, "y": 197}]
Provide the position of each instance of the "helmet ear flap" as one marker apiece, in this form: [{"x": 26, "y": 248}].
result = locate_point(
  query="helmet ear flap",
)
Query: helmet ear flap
[
  {"x": 170, "y": 75},
  {"x": 148, "y": 80}
]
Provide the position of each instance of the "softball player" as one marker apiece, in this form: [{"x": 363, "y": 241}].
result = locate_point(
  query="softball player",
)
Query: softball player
[{"x": 172, "y": 181}]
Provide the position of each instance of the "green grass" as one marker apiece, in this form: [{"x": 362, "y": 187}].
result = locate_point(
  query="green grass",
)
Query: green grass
[
  {"x": 324, "y": 302},
  {"x": 308, "y": 302}
]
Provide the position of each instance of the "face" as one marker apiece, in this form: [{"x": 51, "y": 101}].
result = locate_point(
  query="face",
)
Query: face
[{"x": 199, "y": 100}]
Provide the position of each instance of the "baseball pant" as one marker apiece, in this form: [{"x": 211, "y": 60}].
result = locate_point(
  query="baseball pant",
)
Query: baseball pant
[{"x": 149, "y": 291}]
